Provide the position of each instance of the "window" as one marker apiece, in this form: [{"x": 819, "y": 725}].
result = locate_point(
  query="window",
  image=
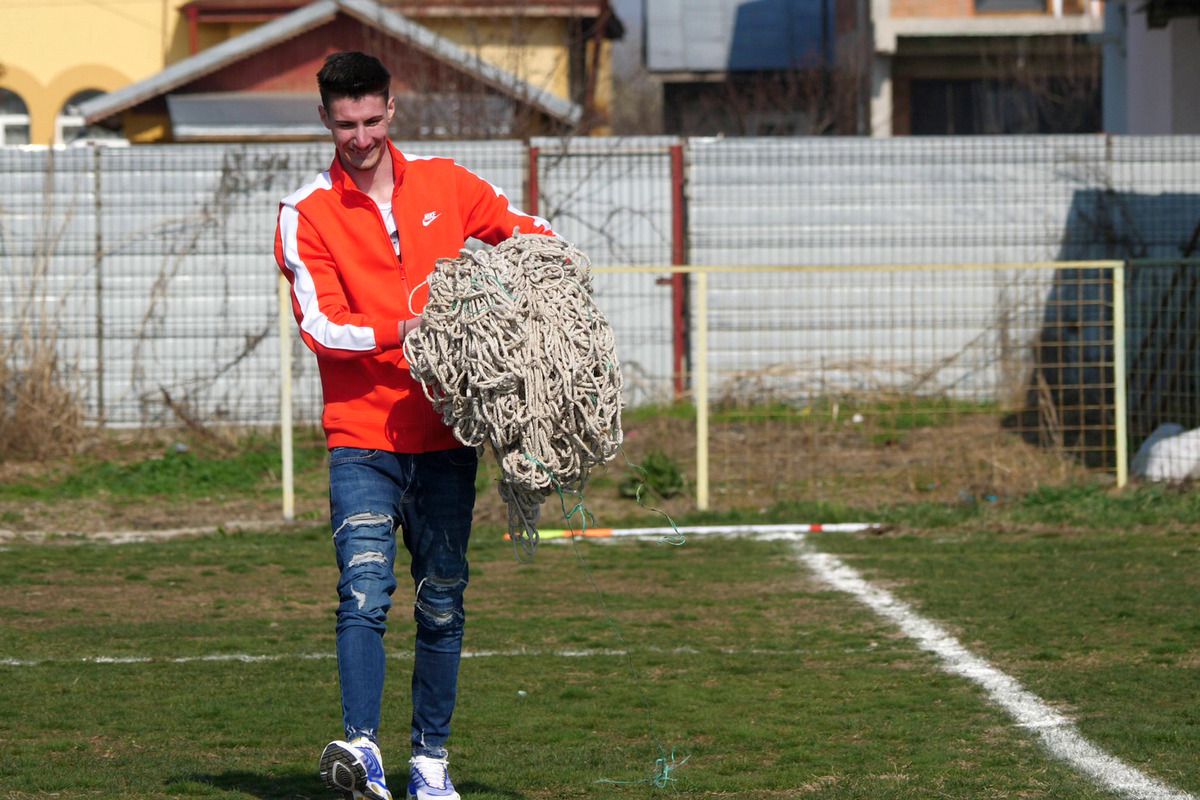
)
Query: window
[
  {"x": 1009, "y": 6},
  {"x": 981, "y": 106},
  {"x": 70, "y": 128},
  {"x": 14, "y": 118}
]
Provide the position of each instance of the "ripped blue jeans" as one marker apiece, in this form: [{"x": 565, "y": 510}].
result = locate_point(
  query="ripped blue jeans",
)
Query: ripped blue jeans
[{"x": 429, "y": 499}]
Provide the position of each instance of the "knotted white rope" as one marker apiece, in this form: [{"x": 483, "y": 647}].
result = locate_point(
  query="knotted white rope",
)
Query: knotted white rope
[{"x": 514, "y": 353}]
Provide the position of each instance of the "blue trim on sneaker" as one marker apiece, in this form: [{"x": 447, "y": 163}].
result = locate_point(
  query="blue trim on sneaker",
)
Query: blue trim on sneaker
[{"x": 429, "y": 779}]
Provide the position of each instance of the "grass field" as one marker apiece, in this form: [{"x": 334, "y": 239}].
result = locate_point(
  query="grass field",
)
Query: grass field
[{"x": 202, "y": 667}]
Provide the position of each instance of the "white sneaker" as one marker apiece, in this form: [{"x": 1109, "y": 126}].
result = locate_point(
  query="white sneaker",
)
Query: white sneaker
[
  {"x": 429, "y": 779},
  {"x": 355, "y": 769}
]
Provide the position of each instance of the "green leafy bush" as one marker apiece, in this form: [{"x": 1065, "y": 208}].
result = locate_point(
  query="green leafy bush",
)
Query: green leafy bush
[{"x": 658, "y": 473}]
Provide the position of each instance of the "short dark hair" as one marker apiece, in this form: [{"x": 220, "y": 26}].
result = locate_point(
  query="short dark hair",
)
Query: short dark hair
[{"x": 354, "y": 75}]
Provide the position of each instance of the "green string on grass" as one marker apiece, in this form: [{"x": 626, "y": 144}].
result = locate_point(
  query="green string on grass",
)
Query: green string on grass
[
  {"x": 663, "y": 776},
  {"x": 675, "y": 539},
  {"x": 664, "y": 769}
]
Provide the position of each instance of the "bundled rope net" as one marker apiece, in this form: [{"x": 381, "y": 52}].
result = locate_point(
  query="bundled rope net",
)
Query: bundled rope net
[{"x": 515, "y": 355}]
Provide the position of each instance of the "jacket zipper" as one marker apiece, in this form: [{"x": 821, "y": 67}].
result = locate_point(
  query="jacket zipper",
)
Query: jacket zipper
[{"x": 388, "y": 238}]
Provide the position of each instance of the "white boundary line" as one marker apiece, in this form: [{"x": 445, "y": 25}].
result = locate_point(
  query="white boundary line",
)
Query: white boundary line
[
  {"x": 762, "y": 532},
  {"x": 140, "y": 536},
  {"x": 250, "y": 658},
  {"x": 1057, "y": 733}
]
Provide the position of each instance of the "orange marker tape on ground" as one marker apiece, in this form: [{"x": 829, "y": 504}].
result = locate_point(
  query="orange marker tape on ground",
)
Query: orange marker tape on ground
[{"x": 711, "y": 530}]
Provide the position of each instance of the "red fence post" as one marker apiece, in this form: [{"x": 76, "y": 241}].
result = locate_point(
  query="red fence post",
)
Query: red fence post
[
  {"x": 679, "y": 280},
  {"x": 531, "y": 183}
]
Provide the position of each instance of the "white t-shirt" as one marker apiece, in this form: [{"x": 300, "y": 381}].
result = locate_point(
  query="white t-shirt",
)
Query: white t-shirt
[{"x": 389, "y": 221}]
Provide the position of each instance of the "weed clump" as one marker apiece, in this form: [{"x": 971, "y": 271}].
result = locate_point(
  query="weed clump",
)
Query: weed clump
[
  {"x": 658, "y": 473},
  {"x": 40, "y": 414}
]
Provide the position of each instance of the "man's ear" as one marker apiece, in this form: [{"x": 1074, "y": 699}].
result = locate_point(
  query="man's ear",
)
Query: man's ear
[
  {"x": 324, "y": 115},
  {"x": 391, "y": 108}
]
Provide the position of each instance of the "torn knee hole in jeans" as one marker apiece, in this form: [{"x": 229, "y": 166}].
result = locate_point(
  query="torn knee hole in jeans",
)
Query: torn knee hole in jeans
[
  {"x": 364, "y": 520},
  {"x": 438, "y": 599},
  {"x": 369, "y": 557}
]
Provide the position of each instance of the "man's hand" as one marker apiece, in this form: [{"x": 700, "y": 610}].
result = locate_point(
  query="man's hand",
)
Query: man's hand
[{"x": 407, "y": 326}]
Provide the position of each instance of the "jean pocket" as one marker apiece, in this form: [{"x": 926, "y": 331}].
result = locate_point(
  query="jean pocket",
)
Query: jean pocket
[{"x": 349, "y": 455}]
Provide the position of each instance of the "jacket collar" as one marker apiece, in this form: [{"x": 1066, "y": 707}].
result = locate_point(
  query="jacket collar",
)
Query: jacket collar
[{"x": 342, "y": 181}]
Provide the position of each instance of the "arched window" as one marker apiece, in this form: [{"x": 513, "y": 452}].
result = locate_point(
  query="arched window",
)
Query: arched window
[
  {"x": 70, "y": 128},
  {"x": 14, "y": 118}
]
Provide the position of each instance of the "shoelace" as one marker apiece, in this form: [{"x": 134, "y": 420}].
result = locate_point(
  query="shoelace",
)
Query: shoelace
[{"x": 435, "y": 766}]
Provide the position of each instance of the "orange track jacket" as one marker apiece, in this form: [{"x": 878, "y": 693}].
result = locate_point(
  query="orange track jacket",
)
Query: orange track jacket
[{"x": 350, "y": 290}]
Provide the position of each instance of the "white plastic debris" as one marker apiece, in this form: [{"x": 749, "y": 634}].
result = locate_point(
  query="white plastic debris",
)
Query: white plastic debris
[{"x": 1170, "y": 453}]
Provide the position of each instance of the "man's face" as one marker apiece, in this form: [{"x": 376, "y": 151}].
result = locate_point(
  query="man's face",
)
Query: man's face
[{"x": 359, "y": 127}]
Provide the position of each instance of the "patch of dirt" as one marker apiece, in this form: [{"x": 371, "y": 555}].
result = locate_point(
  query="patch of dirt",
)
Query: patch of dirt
[{"x": 182, "y": 594}]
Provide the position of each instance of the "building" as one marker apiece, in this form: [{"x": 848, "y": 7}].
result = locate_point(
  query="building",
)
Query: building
[
  {"x": 553, "y": 54},
  {"x": 878, "y": 67},
  {"x": 1152, "y": 66},
  {"x": 750, "y": 67},
  {"x": 985, "y": 66}
]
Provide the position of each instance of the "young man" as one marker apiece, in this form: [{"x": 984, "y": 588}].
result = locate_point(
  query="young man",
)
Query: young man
[{"x": 355, "y": 243}]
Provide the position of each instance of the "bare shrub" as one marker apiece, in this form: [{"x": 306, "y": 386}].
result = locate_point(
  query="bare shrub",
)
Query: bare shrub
[{"x": 40, "y": 413}]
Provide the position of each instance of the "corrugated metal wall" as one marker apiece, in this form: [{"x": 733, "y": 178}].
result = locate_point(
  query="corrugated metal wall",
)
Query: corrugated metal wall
[
  {"x": 161, "y": 287},
  {"x": 152, "y": 266}
]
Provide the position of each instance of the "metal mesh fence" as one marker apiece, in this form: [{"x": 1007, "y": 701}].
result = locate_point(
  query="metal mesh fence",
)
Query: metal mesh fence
[
  {"x": 867, "y": 298},
  {"x": 954, "y": 382},
  {"x": 949, "y": 383},
  {"x": 1163, "y": 367},
  {"x": 185, "y": 290}
]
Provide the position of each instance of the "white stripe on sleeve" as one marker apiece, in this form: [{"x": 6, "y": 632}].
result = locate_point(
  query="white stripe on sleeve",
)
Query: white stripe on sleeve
[{"x": 313, "y": 320}]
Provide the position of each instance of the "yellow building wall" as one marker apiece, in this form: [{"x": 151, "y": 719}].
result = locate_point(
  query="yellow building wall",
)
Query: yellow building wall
[
  {"x": 530, "y": 49},
  {"x": 534, "y": 51},
  {"x": 52, "y": 51},
  {"x": 604, "y": 90}
]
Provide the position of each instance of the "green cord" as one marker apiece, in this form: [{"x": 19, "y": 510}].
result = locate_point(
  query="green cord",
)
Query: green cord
[{"x": 664, "y": 769}]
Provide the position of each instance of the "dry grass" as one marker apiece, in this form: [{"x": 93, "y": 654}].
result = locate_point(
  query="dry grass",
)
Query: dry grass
[
  {"x": 758, "y": 461},
  {"x": 40, "y": 413}
]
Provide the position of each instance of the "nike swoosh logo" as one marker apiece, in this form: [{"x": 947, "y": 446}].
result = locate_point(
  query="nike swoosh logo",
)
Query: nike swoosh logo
[{"x": 430, "y": 217}]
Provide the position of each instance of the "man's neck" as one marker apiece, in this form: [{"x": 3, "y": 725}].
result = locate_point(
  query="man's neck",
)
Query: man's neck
[{"x": 377, "y": 182}]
